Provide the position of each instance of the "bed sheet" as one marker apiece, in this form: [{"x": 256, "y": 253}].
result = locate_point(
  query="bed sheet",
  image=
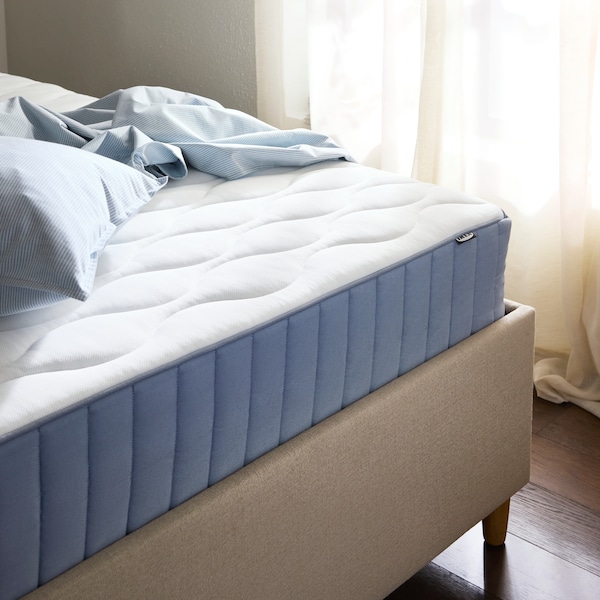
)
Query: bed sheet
[{"x": 207, "y": 260}]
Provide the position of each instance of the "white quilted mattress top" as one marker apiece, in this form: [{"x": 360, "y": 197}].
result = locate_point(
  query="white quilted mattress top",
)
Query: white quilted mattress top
[{"x": 207, "y": 259}]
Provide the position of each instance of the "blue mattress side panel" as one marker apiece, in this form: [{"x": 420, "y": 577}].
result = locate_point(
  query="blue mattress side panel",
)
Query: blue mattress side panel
[
  {"x": 300, "y": 372},
  {"x": 332, "y": 353},
  {"x": 491, "y": 244},
  {"x": 195, "y": 418},
  {"x": 81, "y": 481},
  {"x": 154, "y": 427},
  {"x": 111, "y": 456},
  {"x": 232, "y": 379},
  {"x": 267, "y": 391},
  {"x": 20, "y": 511},
  {"x": 64, "y": 460},
  {"x": 362, "y": 302}
]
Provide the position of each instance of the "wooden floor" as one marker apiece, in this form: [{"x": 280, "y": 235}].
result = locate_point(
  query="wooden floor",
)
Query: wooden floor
[{"x": 553, "y": 546}]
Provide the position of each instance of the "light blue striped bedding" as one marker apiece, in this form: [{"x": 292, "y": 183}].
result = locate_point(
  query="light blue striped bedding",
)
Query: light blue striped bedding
[
  {"x": 58, "y": 209},
  {"x": 58, "y": 205},
  {"x": 165, "y": 131}
]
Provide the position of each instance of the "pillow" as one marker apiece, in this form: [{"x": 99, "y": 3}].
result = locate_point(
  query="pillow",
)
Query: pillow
[{"x": 58, "y": 208}]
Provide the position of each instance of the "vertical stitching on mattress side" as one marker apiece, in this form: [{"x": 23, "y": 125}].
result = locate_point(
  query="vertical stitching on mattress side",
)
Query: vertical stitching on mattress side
[
  {"x": 499, "y": 274},
  {"x": 348, "y": 344},
  {"x": 401, "y": 332},
  {"x": 213, "y": 415},
  {"x": 250, "y": 397},
  {"x": 431, "y": 284},
  {"x": 376, "y": 321},
  {"x": 87, "y": 499},
  {"x": 214, "y": 412},
  {"x": 447, "y": 325},
  {"x": 285, "y": 379},
  {"x": 176, "y": 441},
  {"x": 314, "y": 399},
  {"x": 474, "y": 241},
  {"x": 39, "y": 447},
  {"x": 132, "y": 388},
  {"x": 452, "y": 284}
]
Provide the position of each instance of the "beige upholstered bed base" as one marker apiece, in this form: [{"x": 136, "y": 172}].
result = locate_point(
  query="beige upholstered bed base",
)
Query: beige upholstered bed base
[{"x": 354, "y": 506}]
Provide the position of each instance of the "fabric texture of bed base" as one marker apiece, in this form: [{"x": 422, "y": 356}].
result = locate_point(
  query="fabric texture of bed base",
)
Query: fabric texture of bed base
[
  {"x": 88, "y": 477},
  {"x": 352, "y": 507}
]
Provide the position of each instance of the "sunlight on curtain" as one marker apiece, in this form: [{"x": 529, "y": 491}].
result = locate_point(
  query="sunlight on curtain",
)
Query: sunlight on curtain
[
  {"x": 498, "y": 98},
  {"x": 282, "y": 62},
  {"x": 576, "y": 376},
  {"x": 365, "y": 63}
]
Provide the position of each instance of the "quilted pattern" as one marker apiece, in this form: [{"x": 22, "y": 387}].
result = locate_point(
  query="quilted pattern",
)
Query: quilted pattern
[
  {"x": 73, "y": 485},
  {"x": 207, "y": 260}
]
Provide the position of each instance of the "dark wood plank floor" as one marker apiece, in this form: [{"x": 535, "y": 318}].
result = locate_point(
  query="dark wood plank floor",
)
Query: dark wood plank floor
[{"x": 552, "y": 550}]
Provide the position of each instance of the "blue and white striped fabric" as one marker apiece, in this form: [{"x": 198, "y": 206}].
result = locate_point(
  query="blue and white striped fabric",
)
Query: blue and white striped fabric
[
  {"x": 58, "y": 209},
  {"x": 165, "y": 131}
]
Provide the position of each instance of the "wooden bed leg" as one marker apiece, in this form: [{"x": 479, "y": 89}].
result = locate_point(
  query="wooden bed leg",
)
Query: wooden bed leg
[{"x": 496, "y": 524}]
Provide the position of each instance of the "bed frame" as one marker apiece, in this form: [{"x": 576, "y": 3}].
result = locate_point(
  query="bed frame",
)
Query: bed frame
[{"x": 354, "y": 506}]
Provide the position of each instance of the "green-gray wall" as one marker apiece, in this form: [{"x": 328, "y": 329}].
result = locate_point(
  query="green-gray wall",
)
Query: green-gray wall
[{"x": 96, "y": 46}]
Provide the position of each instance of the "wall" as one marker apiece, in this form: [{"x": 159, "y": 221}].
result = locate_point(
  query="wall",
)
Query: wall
[
  {"x": 3, "y": 60},
  {"x": 96, "y": 46}
]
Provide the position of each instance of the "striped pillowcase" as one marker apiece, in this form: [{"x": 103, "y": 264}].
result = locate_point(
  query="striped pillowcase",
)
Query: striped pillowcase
[{"x": 59, "y": 207}]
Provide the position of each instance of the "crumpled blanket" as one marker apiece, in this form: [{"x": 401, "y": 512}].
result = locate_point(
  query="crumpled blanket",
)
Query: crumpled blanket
[{"x": 164, "y": 131}]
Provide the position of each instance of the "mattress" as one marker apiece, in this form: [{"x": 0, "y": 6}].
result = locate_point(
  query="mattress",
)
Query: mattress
[{"x": 226, "y": 318}]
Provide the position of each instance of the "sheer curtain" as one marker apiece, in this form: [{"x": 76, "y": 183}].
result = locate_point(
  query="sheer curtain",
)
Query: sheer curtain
[{"x": 498, "y": 98}]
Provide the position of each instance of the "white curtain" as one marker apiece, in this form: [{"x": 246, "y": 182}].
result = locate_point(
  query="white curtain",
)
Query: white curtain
[{"x": 498, "y": 98}]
